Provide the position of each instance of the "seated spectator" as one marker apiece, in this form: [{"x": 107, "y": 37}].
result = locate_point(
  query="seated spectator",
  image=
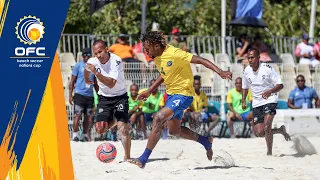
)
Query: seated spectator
[
  {"x": 177, "y": 41},
  {"x": 152, "y": 105},
  {"x": 263, "y": 48},
  {"x": 123, "y": 49},
  {"x": 316, "y": 51},
  {"x": 198, "y": 111},
  {"x": 235, "y": 111},
  {"x": 304, "y": 51},
  {"x": 301, "y": 97},
  {"x": 135, "y": 112},
  {"x": 242, "y": 48}
]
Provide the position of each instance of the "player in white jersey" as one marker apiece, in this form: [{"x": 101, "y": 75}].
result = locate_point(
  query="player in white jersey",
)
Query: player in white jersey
[
  {"x": 265, "y": 85},
  {"x": 113, "y": 98}
]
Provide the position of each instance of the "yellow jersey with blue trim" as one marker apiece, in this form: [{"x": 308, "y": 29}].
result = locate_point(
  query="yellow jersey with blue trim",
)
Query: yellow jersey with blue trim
[{"x": 174, "y": 67}]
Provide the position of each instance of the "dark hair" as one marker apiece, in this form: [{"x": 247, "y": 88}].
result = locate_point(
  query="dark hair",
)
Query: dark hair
[
  {"x": 100, "y": 41},
  {"x": 256, "y": 50},
  {"x": 134, "y": 85},
  {"x": 197, "y": 77},
  {"x": 300, "y": 75},
  {"x": 154, "y": 37}
]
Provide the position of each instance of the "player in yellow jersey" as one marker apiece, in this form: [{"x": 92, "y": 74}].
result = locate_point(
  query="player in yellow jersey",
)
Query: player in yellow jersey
[{"x": 175, "y": 71}]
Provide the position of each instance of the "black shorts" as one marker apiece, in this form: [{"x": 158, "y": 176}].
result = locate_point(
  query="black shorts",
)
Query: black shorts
[
  {"x": 83, "y": 104},
  {"x": 110, "y": 108},
  {"x": 259, "y": 112}
]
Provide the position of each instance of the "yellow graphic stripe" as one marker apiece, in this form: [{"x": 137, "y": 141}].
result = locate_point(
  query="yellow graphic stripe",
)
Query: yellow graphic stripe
[
  {"x": 8, "y": 158},
  {"x": 48, "y": 154},
  {"x": 3, "y": 14}
]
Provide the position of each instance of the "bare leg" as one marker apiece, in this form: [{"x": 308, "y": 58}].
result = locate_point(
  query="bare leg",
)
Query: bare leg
[
  {"x": 125, "y": 138},
  {"x": 268, "y": 133},
  {"x": 230, "y": 117},
  {"x": 76, "y": 124},
  {"x": 175, "y": 129},
  {"x": 215, "y": 120},
  {"x": 158, "y": 120}
]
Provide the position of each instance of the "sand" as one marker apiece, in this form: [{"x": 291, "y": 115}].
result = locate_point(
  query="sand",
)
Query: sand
[{"x": 183, "y": 159}]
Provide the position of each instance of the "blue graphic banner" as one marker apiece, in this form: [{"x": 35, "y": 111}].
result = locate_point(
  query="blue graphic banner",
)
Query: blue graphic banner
[
  {"x": 251, "y": 8},
  {"x": 30, "y": 33}
]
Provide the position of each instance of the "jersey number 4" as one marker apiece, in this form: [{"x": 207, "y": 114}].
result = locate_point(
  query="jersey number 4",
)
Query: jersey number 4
[{"x": 176, "y": 102}]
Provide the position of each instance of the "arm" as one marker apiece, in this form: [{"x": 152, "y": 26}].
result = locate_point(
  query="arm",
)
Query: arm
[
  {"x": 208, "y": 64},
  {"x": 290, "y": 104},
  {"x": 242, "y": 50},
  {"x": 108, "y": 81},
  {"x": 144, "y": 95},
  {"x": 71, "y": 87},
  {"x": 155, "y": 85},
  {"x": 244, "y": 96},
  {"x": 275, "y": 78},
  {"x": 96, "y": 86}
]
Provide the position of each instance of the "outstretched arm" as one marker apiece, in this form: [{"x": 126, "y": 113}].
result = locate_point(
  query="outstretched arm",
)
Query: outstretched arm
[
  {"x": 208, "y": 64},
  {"x": 144, "y": 95}
]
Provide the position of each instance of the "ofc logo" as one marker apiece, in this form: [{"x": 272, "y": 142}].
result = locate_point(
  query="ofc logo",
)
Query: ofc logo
[{"x": 29, "y": 30}]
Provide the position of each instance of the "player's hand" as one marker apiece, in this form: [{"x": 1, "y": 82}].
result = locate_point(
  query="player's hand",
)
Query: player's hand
[
  {"x": 135, "y": 108},
  {"x": 71, "y": 100},
  {"x": 144, "y": 95},
  {"x": 238, "y": 116},
  {"x": 265, "y": 95},
  {"x": 226, "y": 75},
  {"x": 244, "y": 105},
  {"x": 91, "y": 68}
]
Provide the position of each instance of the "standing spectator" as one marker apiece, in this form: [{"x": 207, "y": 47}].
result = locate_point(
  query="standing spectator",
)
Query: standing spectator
[
  {"x": 123, "y": 49},
  {"x": 83, "y": 97},
  {"x": 304, "y": 51},
  {"x": 234, "y": 100},
  {"x": 242, "y": 48},
  {"x": 302, "y": 95},
  {"x": 177, "y": 41}
]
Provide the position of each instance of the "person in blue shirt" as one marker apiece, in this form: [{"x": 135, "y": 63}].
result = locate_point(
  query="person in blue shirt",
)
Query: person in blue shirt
[
  {"x": 83, "y": 98},
  {"x": 302, "y": 95}
]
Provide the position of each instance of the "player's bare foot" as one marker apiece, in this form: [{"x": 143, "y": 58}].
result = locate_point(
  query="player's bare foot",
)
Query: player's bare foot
[
  {"x": 209, "y": 151},
  {"x": 137, "y": 162},
  {"x": 284, "y": 133},
  {"x": 269, "y": 153}
]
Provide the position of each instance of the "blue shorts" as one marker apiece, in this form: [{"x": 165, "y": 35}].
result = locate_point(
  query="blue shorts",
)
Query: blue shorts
[
  {"x": 245, "y": 115},
  {"x": 178, "y": 103}
]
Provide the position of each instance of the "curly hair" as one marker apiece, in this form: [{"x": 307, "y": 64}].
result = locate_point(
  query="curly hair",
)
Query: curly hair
[{"x": 154, "y": 37}]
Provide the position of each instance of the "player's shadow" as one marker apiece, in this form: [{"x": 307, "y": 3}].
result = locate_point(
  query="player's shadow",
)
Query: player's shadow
[
  {"x": 226, "y": 167},
  {"x": 297, "y": 155},
  {"x": 158, "y": 159}
]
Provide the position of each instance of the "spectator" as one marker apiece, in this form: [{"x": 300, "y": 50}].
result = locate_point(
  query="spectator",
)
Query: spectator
[
  {"x": 316, "y": 51},
  {"x": 263, "y": 48},
  {"x": 83, "y": 97},
  {"x": 304, "y": 51},
  {"x": 242, "y": 48},
  {"x": 198, "y": 111},
  {"x": 135, "y": 113},
  {"x": 235, "y": 111},
  {"x": 152, "y": 105},
  {"x": 302, "y": 95},
  {"x": 177, "y": 41},
  {"x": 123, "y": 49},
  {"x": 139, "y": 49}
]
